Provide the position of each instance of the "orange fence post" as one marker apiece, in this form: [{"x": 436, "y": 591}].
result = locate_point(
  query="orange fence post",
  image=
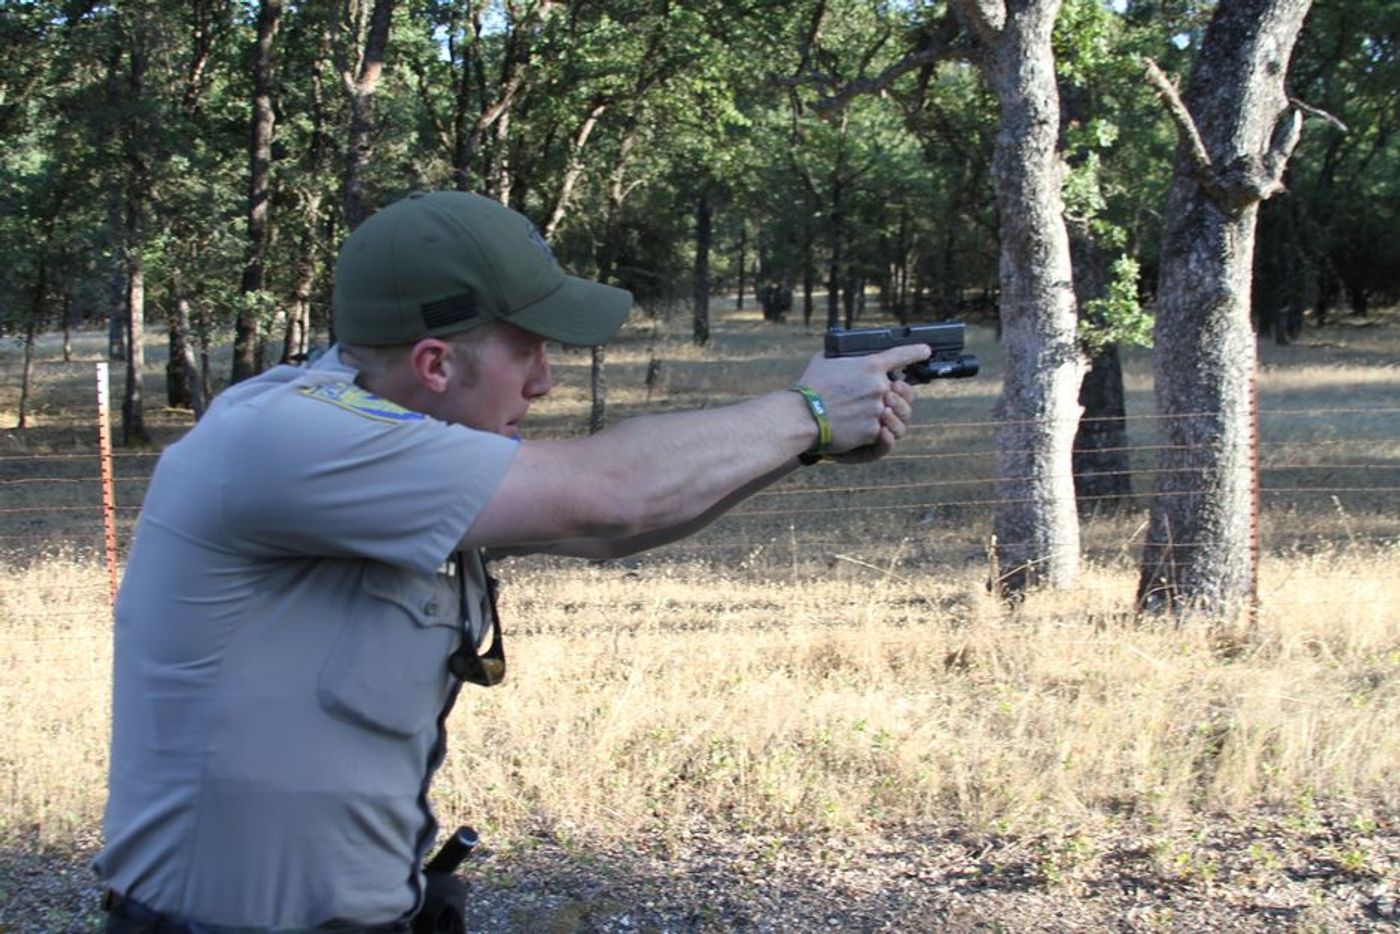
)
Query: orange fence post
[{"x": 109, "y": 499}]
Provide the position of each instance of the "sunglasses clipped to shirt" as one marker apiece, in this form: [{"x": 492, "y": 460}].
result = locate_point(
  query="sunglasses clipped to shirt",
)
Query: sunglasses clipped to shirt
[{"x": 471, "y": 664}]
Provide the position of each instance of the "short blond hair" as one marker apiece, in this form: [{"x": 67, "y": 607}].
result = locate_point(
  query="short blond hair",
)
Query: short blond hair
[{"x": 376, "y": 360}]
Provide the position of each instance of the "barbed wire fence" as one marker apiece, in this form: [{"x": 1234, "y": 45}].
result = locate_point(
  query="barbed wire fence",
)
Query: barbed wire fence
[{"x": 1325, "y": 477}]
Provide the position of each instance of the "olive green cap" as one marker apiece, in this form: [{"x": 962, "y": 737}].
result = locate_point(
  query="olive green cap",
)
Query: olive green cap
[{"x": 438, "y": 263}]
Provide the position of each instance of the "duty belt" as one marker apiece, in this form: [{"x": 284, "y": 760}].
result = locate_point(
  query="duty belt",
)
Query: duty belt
[{"x": 128, "y": 916}]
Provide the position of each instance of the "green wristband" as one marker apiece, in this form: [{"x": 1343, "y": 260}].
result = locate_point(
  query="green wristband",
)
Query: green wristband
[{"x": 817, "y": 407}]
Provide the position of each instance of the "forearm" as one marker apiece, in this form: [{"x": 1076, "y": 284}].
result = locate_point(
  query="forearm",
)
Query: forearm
[
  {"x": 653, "y": 478},
  {"x": 600, "y": 549},
  {"x": 645, "y": 480}
]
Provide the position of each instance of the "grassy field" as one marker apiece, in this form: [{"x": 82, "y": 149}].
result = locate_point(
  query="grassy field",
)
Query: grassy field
[{"x": 828, "y": 661}]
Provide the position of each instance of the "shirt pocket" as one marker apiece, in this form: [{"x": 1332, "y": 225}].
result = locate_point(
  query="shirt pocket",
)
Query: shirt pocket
[{"x": 388, "y": 667}]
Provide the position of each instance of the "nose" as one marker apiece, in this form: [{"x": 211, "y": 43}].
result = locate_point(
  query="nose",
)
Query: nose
[{"x": 539, "y": 382}]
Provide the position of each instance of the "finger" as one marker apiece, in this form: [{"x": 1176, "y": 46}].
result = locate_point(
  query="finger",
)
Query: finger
[
  {"x": 899, "y": 405},
  {"x": 892, "y": 423},
  {"x": 897, "y": 358},
  {"x": 903, "y": 389}
]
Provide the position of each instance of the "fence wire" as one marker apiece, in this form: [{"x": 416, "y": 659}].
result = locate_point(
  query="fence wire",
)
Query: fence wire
[{"x": 1327, "y": 479}]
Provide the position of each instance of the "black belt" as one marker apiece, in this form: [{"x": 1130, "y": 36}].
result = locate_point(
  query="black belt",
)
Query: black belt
[{"x": 128, "y": 916}]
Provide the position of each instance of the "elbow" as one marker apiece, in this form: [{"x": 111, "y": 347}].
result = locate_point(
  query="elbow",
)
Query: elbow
[
  {"x": 629, "y": 506},
  {"x": 620, "y": 513}
]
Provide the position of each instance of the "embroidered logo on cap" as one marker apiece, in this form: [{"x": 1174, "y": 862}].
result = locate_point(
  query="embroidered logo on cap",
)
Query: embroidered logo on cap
[{"x": 448, "y": 310}]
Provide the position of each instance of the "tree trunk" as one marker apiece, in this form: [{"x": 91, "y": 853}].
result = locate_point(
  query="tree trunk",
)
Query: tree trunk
[
  {"x": 37, "y": 300},
  {"x": 700, "y": 293},
  {"x": 495, "y": 104},
  {"x": 1036, "y": 525},
  {"x": 182, "y": 389},
  {"x": 573, "y": 170},
  {"x": 136, "y": 187},
  {"x": 31, "y": 333},
  {"x": 133, "y": 410},
  {"x": 742, "y": 264},
  {"x": 1237, "y": 133},
  {"x": 499, "y": 179},
  {"x": 67, "y": 322},
  {"x": 618, "y": 190},
  {"x": 360, "y": 83},
  {"x": 836, "y": 239},
  {"x": 246, "y": 327},
  {"x": 1102, "y": 479},
  {"x": 116, "y": 285},
  {"x": 899, "y": 272},
  {"x": 809, "y": 272},
  {"x": 296, "y": 343}
]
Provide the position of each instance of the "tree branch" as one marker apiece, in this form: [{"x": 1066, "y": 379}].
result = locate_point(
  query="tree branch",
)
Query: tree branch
[
  {"x": 1285, "y": 138},
  {"x": 1319, "y": 113},
  {"x": 885, "y": 79},
  {"x": 1185, "y": 124},
  {"x": 986, "y": 17}
]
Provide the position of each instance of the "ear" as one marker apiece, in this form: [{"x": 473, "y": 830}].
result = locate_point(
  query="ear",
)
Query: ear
[{"x": 428, "y": 360}]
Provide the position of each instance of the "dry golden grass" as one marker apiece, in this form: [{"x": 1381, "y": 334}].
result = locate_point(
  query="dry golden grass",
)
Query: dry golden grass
[{"x": 637, "y": 702}]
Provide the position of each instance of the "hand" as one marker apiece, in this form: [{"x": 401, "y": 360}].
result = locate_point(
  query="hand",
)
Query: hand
[
  {"x": 868, "y": 412},
  {"x": 894, "y": 425}
]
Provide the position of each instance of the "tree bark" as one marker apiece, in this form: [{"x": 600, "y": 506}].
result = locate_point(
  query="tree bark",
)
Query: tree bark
[
  {"x": 246, "y": 327},
  {"x": 38, "y": 301},
  {"x": 1237, "y": 131},
  {"x": 136, "y": 188},
  {"x": 700, "y": 290},
  {"x": 182, "y": 383},
  {"x": 360, "y": 83},
  {"x": 133, "y": 408},
  {"x": 836, "y": 240},
  {"x": 741, "y": 265},
  {"x": 31, "y": 334},
  {"x": 618, "y": 190},
  {"x": 1102, "y": 476},
  {"x": 1036, "y": 524},
  {"x": 573, "y": 170},
  {"x": 297, "y": 342},
  {"x": 495, "y": 104},
  {"x": 809, "y": 272}
]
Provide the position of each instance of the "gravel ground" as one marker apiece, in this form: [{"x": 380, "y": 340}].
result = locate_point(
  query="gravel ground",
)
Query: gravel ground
[{"x": 1263, "y": 871}]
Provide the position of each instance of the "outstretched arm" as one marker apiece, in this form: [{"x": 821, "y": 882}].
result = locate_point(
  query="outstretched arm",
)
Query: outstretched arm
[{"x": 656, "y": 478}]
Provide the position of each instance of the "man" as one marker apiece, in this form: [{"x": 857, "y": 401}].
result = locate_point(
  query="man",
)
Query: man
[{"x": 305, "y": 592}]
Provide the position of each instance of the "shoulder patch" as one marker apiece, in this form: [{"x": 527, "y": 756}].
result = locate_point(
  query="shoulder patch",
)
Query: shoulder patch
[{"x": 360, "y": 401}]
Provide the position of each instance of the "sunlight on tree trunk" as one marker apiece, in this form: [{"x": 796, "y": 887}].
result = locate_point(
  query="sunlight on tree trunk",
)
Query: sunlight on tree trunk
[
  {"x": 1237, "y": 130},
  {"x": 1036, "y": 525}
]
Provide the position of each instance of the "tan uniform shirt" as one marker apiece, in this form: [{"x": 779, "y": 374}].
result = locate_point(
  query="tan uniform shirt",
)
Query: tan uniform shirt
[{"x": 281, "y": 649}]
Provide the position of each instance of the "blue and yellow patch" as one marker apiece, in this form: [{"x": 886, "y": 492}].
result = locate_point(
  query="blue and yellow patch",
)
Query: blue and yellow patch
[{"x": 360, "y": 401}]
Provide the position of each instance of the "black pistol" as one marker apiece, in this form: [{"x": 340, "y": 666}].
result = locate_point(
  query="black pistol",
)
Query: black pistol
[{"x": 945, "y": 340}]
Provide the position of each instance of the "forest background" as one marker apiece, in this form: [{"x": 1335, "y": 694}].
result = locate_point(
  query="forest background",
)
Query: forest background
[
  {"x": 193, "y": 166},
  {"x": 204, "y": 159}
]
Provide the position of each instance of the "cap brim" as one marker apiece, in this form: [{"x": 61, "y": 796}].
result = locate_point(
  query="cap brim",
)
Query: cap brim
[{"x": 580, "y": 313}]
